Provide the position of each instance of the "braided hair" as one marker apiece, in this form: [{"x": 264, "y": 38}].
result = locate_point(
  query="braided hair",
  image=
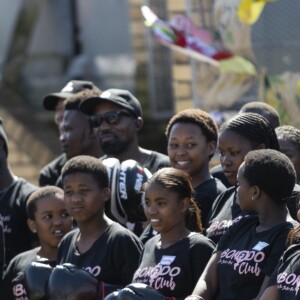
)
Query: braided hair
[{"x": 254, "y": 128}]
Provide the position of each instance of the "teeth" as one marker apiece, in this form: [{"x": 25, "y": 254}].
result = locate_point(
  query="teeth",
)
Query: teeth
[
  {"x": 182, "y": 163},
  {"x": 154, "y": 220},
  {"x": 57, "y": 231}
]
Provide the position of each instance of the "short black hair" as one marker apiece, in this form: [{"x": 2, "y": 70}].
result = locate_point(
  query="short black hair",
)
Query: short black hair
[
  {"x": 253, "y": 127},
  {"x": 199, "y": 118},
  {"x": 87, "y": 165},
  {"x": 73, "y": 102},
  {"x": 40, "y": 193},
  {"x": 289, "y": 133},
  {"x": 264, "y": 109},
  {"x": 272, "y": 171}
]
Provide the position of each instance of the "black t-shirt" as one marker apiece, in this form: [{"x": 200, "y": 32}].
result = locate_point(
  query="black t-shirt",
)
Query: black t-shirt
[
  {"x": 49, "y": 175},
  {"x": 156, "y": 161},
  {"x": 218, "y": 172},
  {"x": 247, "y": 257},
  {"x": 287, "y": 274},
  {"x": 205, "y": 195},
  {"x": 13, "y": 287},
  {"x": 112, "y": 258},
  {"x": 224, "y": 212},
  {"x": 174, "y": 271},
  {"x": 18, "y": 238}
]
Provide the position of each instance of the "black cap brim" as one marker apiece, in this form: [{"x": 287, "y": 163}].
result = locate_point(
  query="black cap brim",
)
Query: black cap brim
[
  {"x": 88, "y": 105},
  {"x": 50, "y": 101}
]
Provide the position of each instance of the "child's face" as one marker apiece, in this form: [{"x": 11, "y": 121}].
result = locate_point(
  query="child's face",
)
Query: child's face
[
  {"x": 164, "y": 209},
  {"x": 52, "y": 221},
  {"x": 188, "y": 148},
  {"x": 84, "y": 198},
  {"x": 233, "y": 148}
]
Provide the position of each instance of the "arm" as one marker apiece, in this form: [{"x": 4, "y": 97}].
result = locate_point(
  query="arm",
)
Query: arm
[
  {"x": 207, "y": 285},
  {"x": 270, "y": 293},
  {"x": 263, "y": 288}
]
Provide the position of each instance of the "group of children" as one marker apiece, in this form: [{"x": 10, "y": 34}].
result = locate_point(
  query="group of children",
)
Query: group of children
[{"x": 202, "y": 240}]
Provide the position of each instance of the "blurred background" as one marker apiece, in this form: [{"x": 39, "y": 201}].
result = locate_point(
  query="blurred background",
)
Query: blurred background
[{"x": 44, "y": 44}]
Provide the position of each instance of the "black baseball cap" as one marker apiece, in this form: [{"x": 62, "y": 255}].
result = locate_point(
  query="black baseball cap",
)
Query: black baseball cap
[
  {"x": 116, "y": 96},
  {"x": 3, "y": 137},
  {"x": 72, "y": 87}
]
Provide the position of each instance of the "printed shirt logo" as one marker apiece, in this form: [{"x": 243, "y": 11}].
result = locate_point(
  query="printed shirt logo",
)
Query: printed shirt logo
[
  {"x": 243, "y": 261},
  {"x": 260, "y": 245},
  {"x": 161, "y": 276},
  {"x": 166, "y": 260},
  {"x": 288, "y": 282}
]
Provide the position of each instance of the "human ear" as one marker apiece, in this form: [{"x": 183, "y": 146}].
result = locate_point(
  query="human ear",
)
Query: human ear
[
  {"x": 255, "y": 192},
  {"x": 185, "y": 204},
  {"x": 31, "y": 225},
  {"x": 212, "y": 147},
  {"x": 106, "y": 194},
  {"x": 139, "y": 122}
]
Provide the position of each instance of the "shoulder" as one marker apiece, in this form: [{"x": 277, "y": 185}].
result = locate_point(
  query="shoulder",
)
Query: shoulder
[
  {"x": 22, "y": 189},
  {"x": 118, "y": 231},
  {"x": 157, "y": 161},
  {"x": 199, "y": 239},
  {"x": 55, "y": 164},
  {"x": 26, "y": 256},
  {"x": 69, "y": 237}
]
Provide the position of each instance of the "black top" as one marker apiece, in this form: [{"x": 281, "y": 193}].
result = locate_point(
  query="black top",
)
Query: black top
[
  {"x": 287, "y": 274},
  {"x": 49, "y": 175},
  {"x": 218, "y": 172},
  {"x": 112, "y": 258},
  {"x": 247, "y": 256},
  {"x": 205, "y": 195},
  {"x": 174, "y": 271},
  {"x": 18, "y": 237},
  {"x": 13, "y": 287},
  {"x": 224, "y": 210}
]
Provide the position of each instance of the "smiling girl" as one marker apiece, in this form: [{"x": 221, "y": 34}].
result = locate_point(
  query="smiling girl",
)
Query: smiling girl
[{"x": 173, "y": 260}]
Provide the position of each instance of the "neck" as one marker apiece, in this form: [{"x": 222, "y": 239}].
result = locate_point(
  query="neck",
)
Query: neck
[
  {"x": 173, "y": 236},
  {"x": 272, "y": 217},
  {"x": 93, "y": 230},
  {"x": 47, "y": 252},
  {"x": 202, "y": 176}
]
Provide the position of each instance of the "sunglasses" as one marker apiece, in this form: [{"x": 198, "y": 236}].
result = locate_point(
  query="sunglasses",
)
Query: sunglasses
[{"x": 111, "y": 118}]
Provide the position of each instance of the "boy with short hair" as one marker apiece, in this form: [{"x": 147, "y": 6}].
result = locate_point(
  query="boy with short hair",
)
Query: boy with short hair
[{"x": 103, "y": 247}]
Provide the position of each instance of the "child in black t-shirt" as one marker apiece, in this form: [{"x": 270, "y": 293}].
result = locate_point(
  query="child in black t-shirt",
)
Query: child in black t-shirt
[
  {"x": 173, "y": 260},
  {"x": 248, "y": 253},
  {"x": 49, "y": 219},
  {"x": 103, "y": 247},
  {"x": 238, "y": 136}
]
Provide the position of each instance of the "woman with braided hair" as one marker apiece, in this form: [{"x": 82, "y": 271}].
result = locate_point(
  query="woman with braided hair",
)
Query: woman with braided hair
[{"x": 238, "y": 136}]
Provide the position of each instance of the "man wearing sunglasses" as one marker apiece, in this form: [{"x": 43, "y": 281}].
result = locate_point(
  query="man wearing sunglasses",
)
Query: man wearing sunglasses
[{"x": 117, "y": 117}]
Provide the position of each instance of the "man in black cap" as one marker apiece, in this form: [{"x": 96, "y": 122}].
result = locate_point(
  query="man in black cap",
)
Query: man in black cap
[
  {"x": 55, "y": 102},
  {"x": 117, "y": 115},
  {"x": 14, "y": 192}
]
